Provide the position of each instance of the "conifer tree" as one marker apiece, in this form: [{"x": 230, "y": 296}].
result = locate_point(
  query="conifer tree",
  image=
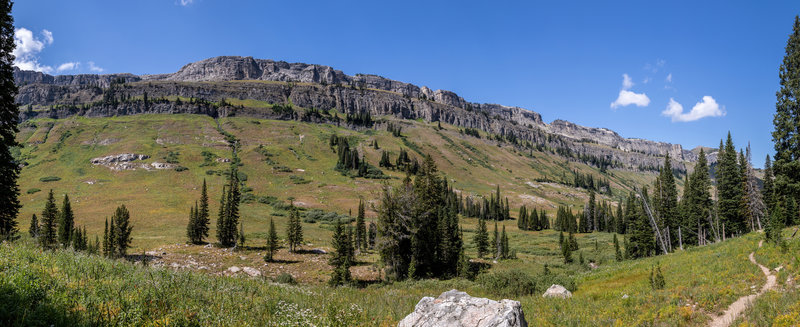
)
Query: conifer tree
[
  {"x": 294, "y": 230},
  {"x": 773, "y": 228},
  {"x": 666, "y": 198},
  {"x": 786, "y": 166},
  {"x": 729, "y": 186},
  {"x": 372, "y": 234},
  {"x": 241, "y": 239},
  {"x": 66, "y": 222},
  {"x": 697, "y": 202},
  {"x": 191, "y": 227},
  {"x": 272, "y": 241},
  {"x": 106, "y": 251},
  {"x": 122, "y": 231},
  {"x": 33, "y": 230},
  {"x": 49, "y": 233},
  {"x": 9, "y": 116},
  {"x": 342, "y": 257},
  {"x": 504, "y": 251},
  {"x": 112, "y": 239},
  {"x": 221, "y": 217},
  {"x": 496, "y": 241},
  {"x": 481, "y": 238},
  {"x": 361, "y": 228},
  {"x": 642, "y": 241},
  {"x": 522, "y": 219},
  {"x": 768, "y": 192},
  {"x": 617, "y": 252}
]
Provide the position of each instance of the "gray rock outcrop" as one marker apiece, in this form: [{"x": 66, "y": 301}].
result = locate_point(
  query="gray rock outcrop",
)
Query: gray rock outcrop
[
  {"x": 557, "y": 291},
  {"x": 454, "y": 308},
  {"x": 325, "y": 88}
]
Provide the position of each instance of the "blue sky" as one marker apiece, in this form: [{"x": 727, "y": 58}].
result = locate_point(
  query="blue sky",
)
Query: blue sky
[{"x": 563, "y": 59}]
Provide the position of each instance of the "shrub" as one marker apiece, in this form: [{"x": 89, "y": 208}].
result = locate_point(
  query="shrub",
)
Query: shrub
[
  {"x": 285, "y": 278},
  {"x": 181, "y": 168},
  {"x": 516, "y": 282},
  {"x": 50, "y": 179},
  {"x": 33, "y": 190},
  {"x": 267, "y": 199}
]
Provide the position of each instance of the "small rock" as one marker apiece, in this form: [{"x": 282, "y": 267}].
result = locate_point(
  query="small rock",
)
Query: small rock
[
  {"x": 241, "y": 257},
  {"x": 234, "y": 270},
  {"x": 778, "y": 269},
  {"x": 208, "y": 246},
  {"x": 625, "y": 296},
  {"x": 318, "y": 251},
  {"x": 557, "y": 291},
  {"x": 593, "y": 265},
  {"x": 253, "y": 272}
]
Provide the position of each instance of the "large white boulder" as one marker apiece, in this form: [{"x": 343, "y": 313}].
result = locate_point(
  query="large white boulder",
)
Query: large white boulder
[
  {"x": 454, "y": 308},
  {"x": 557, "y": 291}
]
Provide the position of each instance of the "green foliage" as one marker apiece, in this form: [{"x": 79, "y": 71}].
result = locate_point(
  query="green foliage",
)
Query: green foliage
[
  {"x": 50, "y": 179},
  {"x": 657, "y": 281},
  {"x": 228, "y": 218},
  {"x": 361, "y": 228},
  {"x": 49, "y": 228},
  {"x": 33, "y": 190},
  {"x": 729, "y": 186},
  {"x": 9, "y": 115},
  {"x": 343, "y": 256},
  {"x": 66, "y": 223},
  {"x": 272, "y": 242},
  {"x": 294, "y": 230},
  {"x": 285, "y": 278},
  {"x": 786, "y": 123},
  {"x": 517, "y": 283},
  {"x": 121, "y": 240}
]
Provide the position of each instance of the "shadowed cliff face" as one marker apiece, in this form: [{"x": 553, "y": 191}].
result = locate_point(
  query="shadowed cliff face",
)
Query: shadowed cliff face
[{"x": 322, "y": 87}]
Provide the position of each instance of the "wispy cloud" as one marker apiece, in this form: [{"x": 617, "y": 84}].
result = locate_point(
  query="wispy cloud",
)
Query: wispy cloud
[
  {"x": 185, "y": 2},
  {"x": 95, "y": 68},
  {"x": 669, "y": 78},
  {"x": 28, "y": 47},
  {"x": 67, "y": 66},
  {"x": 707, "y": 107},
  {"x": 627, "y": 97}
]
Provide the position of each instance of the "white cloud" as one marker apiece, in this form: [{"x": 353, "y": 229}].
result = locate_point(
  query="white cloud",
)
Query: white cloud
[
  {"x": 626, "y": 98},
  {"x": 186, "y": 2},
  {"x": 27, "y": 49},
  {"x": 68, "y": 66},
  {"x": 669, "y": 78},
  {"x": 94, "y": 67},
  {"x": 708, "y": 107},
  {"x": 646, "y": 80},
  {"x": 627, "y": 82}
]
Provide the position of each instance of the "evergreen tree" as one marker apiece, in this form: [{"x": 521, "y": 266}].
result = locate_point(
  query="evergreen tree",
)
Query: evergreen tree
[
  {"x": 617, "y": 252},
  {"x": 342, "y": 257},
  {"x": 481, "y": 238},
  {"x": 372, "y": 234},
  {"x": 49, "y": 237},
  {"x": 66, "y": 222},
  {"x": 120, "y": 223},
  {"x": 768, "y": 192},
  {"x": 642, "y": 241},
  {"x": 33, "y": 231},
  {"x": 241, "y": 239},
  {"x": 221, "y": 217},
  {"x": 566, "y": 250},
  {"x": 106, "y": 245},
  {"x": 294, "y": 230},
  {"x": 9, "y": 116},
  {"x": 522, "y": 219},
  {"x": 428, "y": 189},
  {"x": 773, "y": 228},
  {"x": 272, "y": 241},
  {"x": 590, "y": 220},
  {"x": 361, "y": 228},
  {"x": 729, "y": 186},
  {"x": 496, "y": 241},
  {"x": 786, "y": 166},
  {"x": 697, "y": 202},
  {"x": 504, "y": 244},
  {"x": 191, "y": 227},
  {"x": 666, "y": 198},
  {"x": 202, "y": 215}
]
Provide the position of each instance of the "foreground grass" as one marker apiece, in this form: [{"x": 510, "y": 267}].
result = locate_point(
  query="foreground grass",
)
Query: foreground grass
[{"x": 66, "y": 288}]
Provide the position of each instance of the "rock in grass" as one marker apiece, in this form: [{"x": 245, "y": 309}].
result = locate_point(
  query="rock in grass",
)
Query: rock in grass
[
  {"x": 454, "y": 308},
  {"x": 557, "y": 291}
]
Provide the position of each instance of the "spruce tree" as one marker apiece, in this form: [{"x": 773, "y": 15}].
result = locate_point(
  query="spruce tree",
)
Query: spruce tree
[
  {"x": 697, "y": 202},
  {"x": 202, "y": 219},
  {"x": 112, "y": 239},
  {"x": 361, "y": 228},
  {"x": 294, "y": 230},
  {"x": 786, "y": 166},
  {"x": 66, "y": 223},
  {"x": 122, "y": 231},
  {"x": 481, "y": 238},
  {"x": 729, "y": 186},
  {"x": 241, "y": 239},
  {"x": 106, "y": 251},
  {"x": 617, "y": 252},
  {"x": 504, "y": 244},
  {"x": 9, "y": 116},
  {"x": 49, "y": 233},
  {"x": 768, "y": 191},
  {"x": 342, "y": 258},
  {"x": 221, "y": 217},
  {"x": 667, "y": 198},
  {"x": 33, "y": 230},
  {"x": 191, "y": 227},
  {"x": 496, "y": 241},
  {"x": 642, "y": 241},
  {"x": 272, "y": 241}
]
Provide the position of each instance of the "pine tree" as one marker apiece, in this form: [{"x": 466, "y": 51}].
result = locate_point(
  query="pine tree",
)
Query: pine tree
[
  {"x": 642, "y": 241},
  {"x": 481, "y": 238},
  {"x": 122, "y": 231},
  {"x": 372, "y": 234},
  {"x": 9, "y": 116},
  {"x": 361, "y": 228},
  {"x": 33, "y": 231},
  {"x": 272, "y": 241},
  {"x": 106, "y": 251},
  {"x": 768, "y": 192},
  {"x": 697, "y": 202},
  {"x": 66, "y": 222},
  {"x": 191, "y": 227},
  {"x": 49, "y": 226},
  {"x": 666, "y": 196},
  {"x": 496, "y": 242},
  {"x": 294, "y": 230},
  {"x": 772, "y": 231},
  {"x": 221, "y": 217},
  {"x": 729, "y": 186},
  {"x": 342, "y": 258},
  {"x": 786, "y": 166},
  {"x": 617, "y": 252},
  {"x": 112, "y": 239},
  {"x": 522, "y": 219},
  {"x": 504, "y": 244}
]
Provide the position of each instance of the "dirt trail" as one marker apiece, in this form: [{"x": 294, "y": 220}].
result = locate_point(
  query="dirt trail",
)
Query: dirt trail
[{"x": 738, "y": 307}]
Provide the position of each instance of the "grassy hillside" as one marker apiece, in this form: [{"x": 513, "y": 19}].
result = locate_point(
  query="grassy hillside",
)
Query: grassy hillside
[
  {"x": 66, "y": 288},
  {"x": 294, "y": 162}
]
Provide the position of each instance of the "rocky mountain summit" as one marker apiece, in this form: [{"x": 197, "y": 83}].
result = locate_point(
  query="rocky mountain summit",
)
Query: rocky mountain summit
[{"x": 324, "y": 88}]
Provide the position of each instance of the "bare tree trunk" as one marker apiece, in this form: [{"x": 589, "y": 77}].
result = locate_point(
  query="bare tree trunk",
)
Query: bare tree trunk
[
  {"x": 680, "y": 238},
  {"x": 723, "y": 232},
  {"x": 659, "y": 237}
]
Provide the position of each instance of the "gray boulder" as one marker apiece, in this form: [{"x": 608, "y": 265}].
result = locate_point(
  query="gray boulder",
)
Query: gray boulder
[
  {"x": 557, "y": 291},
  {"x": 454, "y": 308}
]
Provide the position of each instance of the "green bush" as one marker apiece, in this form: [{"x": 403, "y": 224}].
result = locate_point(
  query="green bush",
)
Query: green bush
[
  {"x": 33, "y": 190},
  {"x": 285, "y": 278},
  {"x": 519, "y": 283},
  {"x": 50, "y": 179},
  {"x": 181, "y": 168}
]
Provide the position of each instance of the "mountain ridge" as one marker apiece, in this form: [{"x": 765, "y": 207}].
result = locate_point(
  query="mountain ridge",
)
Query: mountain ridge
[{"x": 336, "y": 90}]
